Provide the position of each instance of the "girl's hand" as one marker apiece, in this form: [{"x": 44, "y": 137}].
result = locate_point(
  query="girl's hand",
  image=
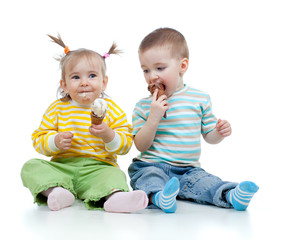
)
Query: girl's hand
[
  {"x": 158, "y": 107},
  {"x": 223, "y": 128},
  {"x": 63, "y": 140},
  {"x": 102, "y": 131}
]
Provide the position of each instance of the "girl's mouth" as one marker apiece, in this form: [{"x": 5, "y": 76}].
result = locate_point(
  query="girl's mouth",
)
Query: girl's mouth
[{"x": 84, "y": 94}]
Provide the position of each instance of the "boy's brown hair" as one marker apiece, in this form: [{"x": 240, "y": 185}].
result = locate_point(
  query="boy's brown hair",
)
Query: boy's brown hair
[{"x": 166, "y": 37}]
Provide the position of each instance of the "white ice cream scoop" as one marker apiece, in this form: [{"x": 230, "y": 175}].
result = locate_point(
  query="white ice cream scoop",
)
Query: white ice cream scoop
[{"x": 99, "y": 107}]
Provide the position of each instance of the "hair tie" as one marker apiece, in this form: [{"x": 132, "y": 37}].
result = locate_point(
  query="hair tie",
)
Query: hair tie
[
  {"x": 106, "y": 55},
  {"x": 66, "y": 50}
]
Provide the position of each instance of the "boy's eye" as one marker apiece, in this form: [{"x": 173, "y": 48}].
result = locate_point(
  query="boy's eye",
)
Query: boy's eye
[
  {"x": 92, "y": 75},
  {"x": 145, "y": 71},
  {"x": 160, "y": 68},
  {"x": 75, "y": 77}
]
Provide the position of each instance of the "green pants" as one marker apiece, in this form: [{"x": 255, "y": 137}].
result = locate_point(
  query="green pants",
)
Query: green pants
[{"x": 88, "y": 180}]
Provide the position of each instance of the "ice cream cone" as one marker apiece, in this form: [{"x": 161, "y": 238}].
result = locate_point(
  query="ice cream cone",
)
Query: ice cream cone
[
  {"x": 98, "y": 111},
  {"x": 95, "y": 119},
  {"x": 161, "y": 91}
]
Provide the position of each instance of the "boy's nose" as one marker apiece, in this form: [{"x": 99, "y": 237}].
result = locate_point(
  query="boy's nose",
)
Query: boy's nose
[{"x": 154, "y": 77}]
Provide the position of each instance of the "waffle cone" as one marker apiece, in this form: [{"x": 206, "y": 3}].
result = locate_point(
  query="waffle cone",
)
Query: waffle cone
[{"x": 95, "y": 119}]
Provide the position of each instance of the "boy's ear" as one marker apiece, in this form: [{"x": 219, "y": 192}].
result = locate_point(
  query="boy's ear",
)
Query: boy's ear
[
  {"x": 104, "y": 83},
  {"x": 184, "y": 65}
]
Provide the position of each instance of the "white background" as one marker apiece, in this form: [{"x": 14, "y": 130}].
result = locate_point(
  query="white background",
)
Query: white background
[{"x": 235, "y": 52}]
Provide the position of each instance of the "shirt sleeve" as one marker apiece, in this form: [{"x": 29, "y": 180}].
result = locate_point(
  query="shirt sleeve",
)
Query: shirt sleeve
[
  {"x": 123, "y": 140},
  {"x": 114, "y": 144},
  {"x": 208, "y": 121},
  {"x": 43, "y": 137},
  {"x": 138, "y": 119}
]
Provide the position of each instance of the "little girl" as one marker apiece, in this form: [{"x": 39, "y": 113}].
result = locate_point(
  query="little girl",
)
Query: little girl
[{"x": 83, "y": 163}]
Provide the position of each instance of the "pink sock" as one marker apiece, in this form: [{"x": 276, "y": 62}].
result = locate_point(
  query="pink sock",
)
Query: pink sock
[
  {"x": 126, "y": 202},
  {"x": 58, "y": 198}
]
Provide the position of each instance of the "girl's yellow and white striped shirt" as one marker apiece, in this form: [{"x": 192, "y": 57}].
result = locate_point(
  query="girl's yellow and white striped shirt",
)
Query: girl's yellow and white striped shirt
[{"x": 70, "y": 116}]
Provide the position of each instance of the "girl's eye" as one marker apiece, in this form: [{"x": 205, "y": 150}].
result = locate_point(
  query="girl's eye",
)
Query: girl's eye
[
  {"x": 75, "y": 77},
  {"x": 145, "y": 71},
  {"x": 92, "y": 75}
]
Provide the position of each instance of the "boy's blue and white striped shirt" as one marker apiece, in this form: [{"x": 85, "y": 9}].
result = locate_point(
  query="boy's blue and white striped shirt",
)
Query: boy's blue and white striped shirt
[{"x": 177, "y": 140}]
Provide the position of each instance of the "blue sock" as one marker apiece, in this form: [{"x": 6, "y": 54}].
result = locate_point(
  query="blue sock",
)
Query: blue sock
[
  {"x": 166, "y": 199},
  {"x": 241, "y": 196}
]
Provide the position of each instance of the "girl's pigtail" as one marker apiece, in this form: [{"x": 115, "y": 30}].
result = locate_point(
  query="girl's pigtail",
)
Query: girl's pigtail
[
  {"x": 113, "y": 50},
  {"x": 59, "y": 41}
]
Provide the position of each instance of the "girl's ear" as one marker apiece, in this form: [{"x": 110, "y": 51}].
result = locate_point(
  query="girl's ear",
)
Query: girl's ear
[
  {"x": 104, "y": 83},
  {"x": 63, "y": 86},
  {"x": 184, "y": 65}
]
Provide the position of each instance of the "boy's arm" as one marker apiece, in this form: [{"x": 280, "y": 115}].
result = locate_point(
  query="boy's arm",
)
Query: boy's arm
[
  {"x": 145, "y": 136},
  {"x": 222, "y": 130}
]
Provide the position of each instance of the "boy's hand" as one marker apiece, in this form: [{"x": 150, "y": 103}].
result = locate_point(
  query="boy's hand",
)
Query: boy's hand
[
  {"x": 158, "y": 107},
  {"x": 102, "y": 131},
  {"x": 223, "y": 128},
  {"x": 63, "y": 140}
]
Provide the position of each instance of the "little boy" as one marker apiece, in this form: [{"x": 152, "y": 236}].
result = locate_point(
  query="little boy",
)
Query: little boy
[{"x": 168, "y": 165}]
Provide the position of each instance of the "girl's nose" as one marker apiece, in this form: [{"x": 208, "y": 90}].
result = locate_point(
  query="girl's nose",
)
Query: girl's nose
[{"x": 84, "y": 82}]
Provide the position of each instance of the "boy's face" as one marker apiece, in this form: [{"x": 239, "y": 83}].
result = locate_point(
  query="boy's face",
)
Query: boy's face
[
  {"x": 159, "y": 65},
  {"x": 84, "y": 81}
]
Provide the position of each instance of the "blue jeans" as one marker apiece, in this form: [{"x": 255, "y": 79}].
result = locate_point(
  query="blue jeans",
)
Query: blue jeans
[{"x": 195, "y": 184}]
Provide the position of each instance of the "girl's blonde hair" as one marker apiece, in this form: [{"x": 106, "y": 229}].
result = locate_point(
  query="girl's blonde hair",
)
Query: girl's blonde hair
[
  {"x": 73, "y": 56},
  {"x": 166, "y": 37}
]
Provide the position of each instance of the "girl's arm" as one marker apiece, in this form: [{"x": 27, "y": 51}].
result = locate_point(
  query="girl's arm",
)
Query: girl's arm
[
  {"x": 44, "y": 137},
  {"x": 102, "y": 131},
  {"x": 116, "y": 132}
]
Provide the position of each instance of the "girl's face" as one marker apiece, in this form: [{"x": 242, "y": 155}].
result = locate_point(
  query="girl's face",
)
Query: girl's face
[
  {"x": 159, "y": 65},
  {"x": 84, "y": 81}
]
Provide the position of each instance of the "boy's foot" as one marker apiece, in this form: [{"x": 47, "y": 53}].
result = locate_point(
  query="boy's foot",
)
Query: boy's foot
[
  {"x": 166, "y": 199},
  {"x": 241, "y": 196}
]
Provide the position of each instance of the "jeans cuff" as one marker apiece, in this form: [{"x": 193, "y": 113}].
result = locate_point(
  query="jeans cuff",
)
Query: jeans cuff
[{"x": 219, "y": 200}]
